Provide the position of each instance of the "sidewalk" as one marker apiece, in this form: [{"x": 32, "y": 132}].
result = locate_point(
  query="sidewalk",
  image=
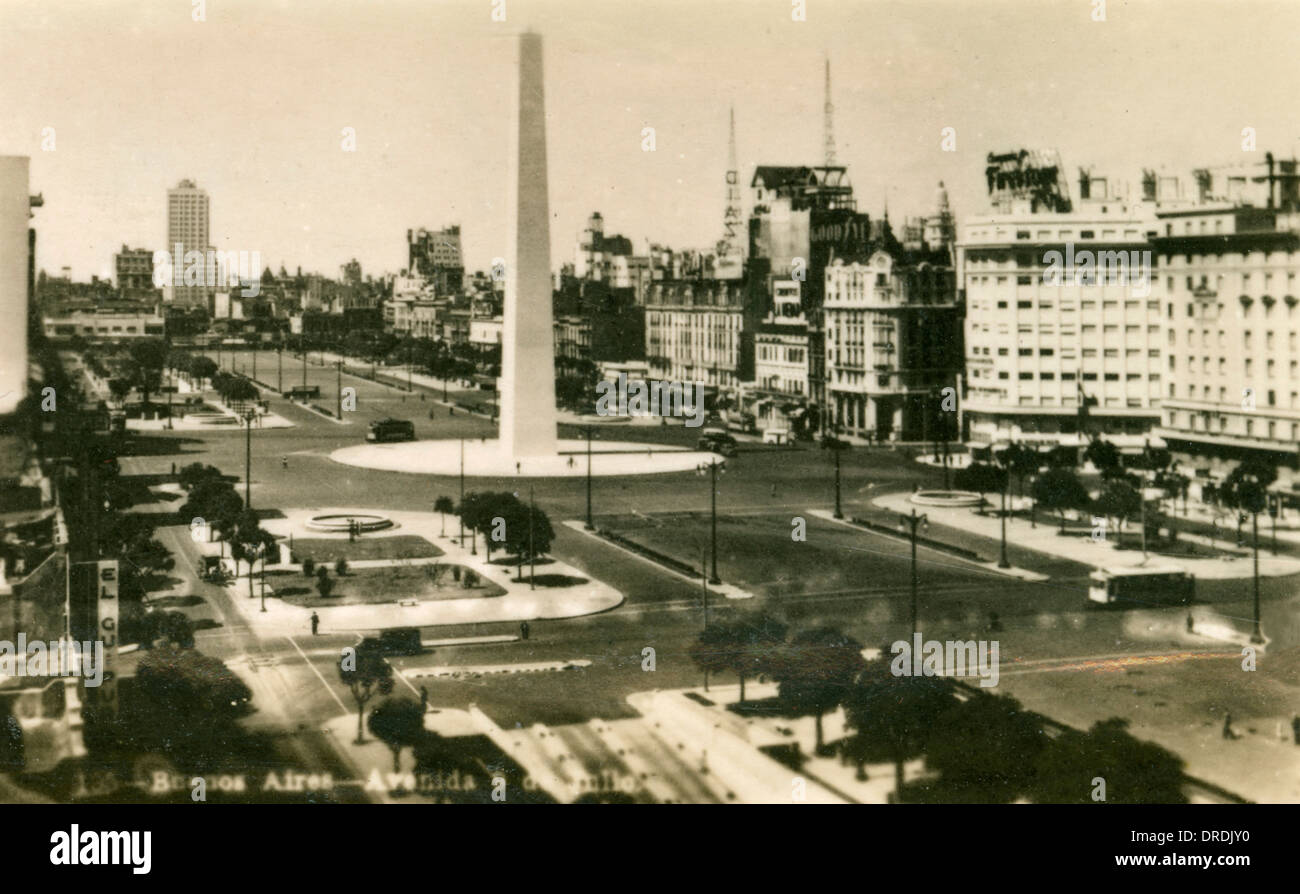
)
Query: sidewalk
[
  {"x": 519, "y": 603},
  {"x": 1045, "y": 539},
  {"x": 1021, "y": 573}
]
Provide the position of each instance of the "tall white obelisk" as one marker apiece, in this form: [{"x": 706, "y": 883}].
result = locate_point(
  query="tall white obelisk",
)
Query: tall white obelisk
[{"x": 528, "y": 416}]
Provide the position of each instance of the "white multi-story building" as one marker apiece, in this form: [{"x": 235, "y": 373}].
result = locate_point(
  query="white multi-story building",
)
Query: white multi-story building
[
  {"x": 187, "y": 231},
  {"x": 1230, "y": 270},
  {"x": 780, "y": 391},
  {"x": 1045, "y": 330}
]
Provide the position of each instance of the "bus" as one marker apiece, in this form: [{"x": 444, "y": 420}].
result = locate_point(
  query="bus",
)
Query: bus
[
  {"x": 391, "y": 430},
  {"x": 1150, "y": 585}
]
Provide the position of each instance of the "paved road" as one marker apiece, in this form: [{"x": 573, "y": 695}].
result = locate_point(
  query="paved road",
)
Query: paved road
[{"x": 853, "y": 579}]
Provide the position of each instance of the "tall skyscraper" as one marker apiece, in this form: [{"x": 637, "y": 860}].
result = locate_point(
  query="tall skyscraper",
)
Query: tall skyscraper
[
  {"x": 15, "y": 205},
  {"x": 187, "y": 227}
]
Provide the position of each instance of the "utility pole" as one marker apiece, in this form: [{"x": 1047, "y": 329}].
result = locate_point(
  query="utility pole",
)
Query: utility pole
[
  {"x": 911, "y": 523},
  {"x": 590, "y": 525}
]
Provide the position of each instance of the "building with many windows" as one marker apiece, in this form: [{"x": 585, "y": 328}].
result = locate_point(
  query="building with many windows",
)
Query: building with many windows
[
  {"x": 1062, "y": 310},
  {"x": 188, "y": 231},
  {"x": 1229, "y": 269},
  {"x": 701, "y": 331},
  {"x": 893, "y": 343}
]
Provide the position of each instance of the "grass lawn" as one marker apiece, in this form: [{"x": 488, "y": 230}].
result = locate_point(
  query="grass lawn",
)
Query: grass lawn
[
  {"x": 401, "y": 546},
  {"x": 396, "y": 583}
]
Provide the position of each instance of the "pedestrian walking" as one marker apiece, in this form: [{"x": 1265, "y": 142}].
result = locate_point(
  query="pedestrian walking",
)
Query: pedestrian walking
[
  {"x": 1227, "y": 727},
  {"x": 284, "y": 462},
  {"x": 518, "y": 466},
  {"x": 424, "y": 699},
  {"x": 1190, "y": 622},
  {"x": 315, "y": 623},
  {"x": 523, "y": 630}
]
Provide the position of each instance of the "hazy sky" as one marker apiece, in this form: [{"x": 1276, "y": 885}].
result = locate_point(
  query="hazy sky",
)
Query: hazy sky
[{"x": 252, "y": 102}]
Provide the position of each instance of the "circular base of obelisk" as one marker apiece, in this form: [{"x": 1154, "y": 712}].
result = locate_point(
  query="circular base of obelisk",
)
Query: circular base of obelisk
[{"x": 486, "y": 459}]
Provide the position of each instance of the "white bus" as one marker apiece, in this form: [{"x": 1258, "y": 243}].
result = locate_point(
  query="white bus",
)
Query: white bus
[{"x": 1149, "y": 585}]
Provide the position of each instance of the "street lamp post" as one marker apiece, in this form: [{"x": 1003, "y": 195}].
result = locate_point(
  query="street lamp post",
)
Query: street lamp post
[
  {"x": 838, "y": 446},
  {"x": 713, "y": 467},
  {"x": 248, "y": 455},
  {"x": 910, "y": 523},
  {"x": 304, "y": 368},
  {"x": 1256, "y": 636},
  {"x": 590, "y": 525},
  {"x": 461, "y": 513},
  {"x": 1002, "y": 557},
  {"x": 338, "y": 389},
  {"x": 279, "y": 369},
  {"x": 532, "y": 556},
  {"x": 254, "y": 363},
  {"x": 704, "y": 588}
]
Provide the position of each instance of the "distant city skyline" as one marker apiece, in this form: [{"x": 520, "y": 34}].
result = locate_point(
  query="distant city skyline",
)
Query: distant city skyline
[{"x": 252, "y": 104}]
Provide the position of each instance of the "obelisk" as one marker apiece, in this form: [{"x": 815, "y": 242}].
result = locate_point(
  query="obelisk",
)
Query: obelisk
[{"x": 528, "y": 417}]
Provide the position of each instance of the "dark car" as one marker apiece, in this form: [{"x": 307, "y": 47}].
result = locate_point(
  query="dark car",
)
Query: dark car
[
  {"x": 717, "y": 442},
  {"x": 395, "y": 641}
]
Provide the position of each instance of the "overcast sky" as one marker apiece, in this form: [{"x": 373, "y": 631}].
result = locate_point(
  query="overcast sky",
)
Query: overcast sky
[{"x": 252, "y": 103}]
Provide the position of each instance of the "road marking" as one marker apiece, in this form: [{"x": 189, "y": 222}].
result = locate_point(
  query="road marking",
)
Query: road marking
[{"x": 316, "y": 671}]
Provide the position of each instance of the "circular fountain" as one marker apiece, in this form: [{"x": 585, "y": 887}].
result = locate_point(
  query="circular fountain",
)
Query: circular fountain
[{"x": 343, "y": 522}]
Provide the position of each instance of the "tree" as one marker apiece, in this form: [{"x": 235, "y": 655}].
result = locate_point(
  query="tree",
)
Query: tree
[
  {"x": 240, "y": 390},
  {"x": 816, "y": 670},
  {"x": 1135, "y": 772},
  {"x": 144, "y": 366},
  {"x": 250, "y": 542},
  {"x": 986, "y": 746},
  {"x": 1103, "y": 455},
  {"x": 119, "y": 388},
  {"x": 896, "y": 713},
  {"x": 1059, "y": 490},
  {"x": 216, "y": 503},
  {"x": 746, "y": 645},
  {"x": 365, "y": 672},
  {"x": 397, "y": 722},
  {"x": 187, "y": 704},
  {"x": 324, "y": 583},
  {"x": 1019, "y": 460},
  {"x": 1246, "y": 487},
  {"x": 528, "y": 534},
  {"x": 982, "y": 478},
  {"x": 1118, "y": 500},
  {"x": 202, "y": 369},
  {"x": 442, "y": 506},
  {"x": 195, "y": 474}
]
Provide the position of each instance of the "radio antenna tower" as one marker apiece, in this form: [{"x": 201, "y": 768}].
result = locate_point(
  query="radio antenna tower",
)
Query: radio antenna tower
[{"x": 828, "y": 111}]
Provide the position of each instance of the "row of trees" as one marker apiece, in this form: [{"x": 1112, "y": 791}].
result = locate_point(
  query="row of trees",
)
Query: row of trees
[
  {"x": 520, "y": 528},
  {"x": 1059, "y": 489},
  {"x": 213, "y": 501},
  {"x": 986, "y": 747}
]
